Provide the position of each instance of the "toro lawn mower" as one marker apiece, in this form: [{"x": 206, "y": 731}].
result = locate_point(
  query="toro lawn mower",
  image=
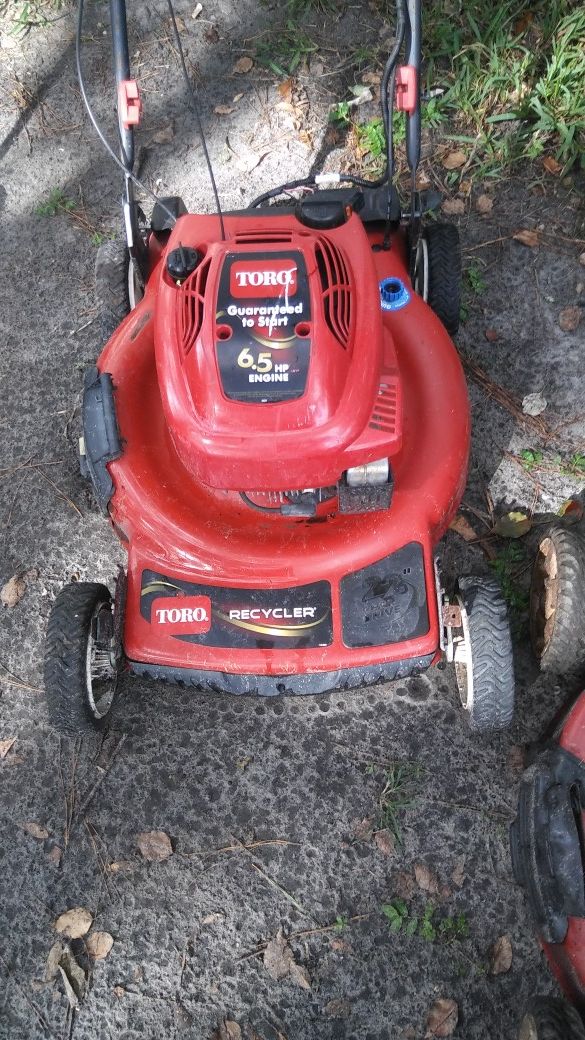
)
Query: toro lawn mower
[
  {"x": 278, "y": 429},
  {"x": 548, "y": 835}
]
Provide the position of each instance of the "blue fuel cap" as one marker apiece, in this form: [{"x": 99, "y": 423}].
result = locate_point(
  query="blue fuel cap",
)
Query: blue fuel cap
[{"x": 393, "y": 294}]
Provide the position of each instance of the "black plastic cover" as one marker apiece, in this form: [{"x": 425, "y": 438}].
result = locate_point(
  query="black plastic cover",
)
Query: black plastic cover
[
  {"x": 160, "y": 220},
  {"x": 100, "y": 433},
  {"x": 546, "y": 841},
  {"x": 387, "y": 601},
  {"x": 326, "y": 210}
]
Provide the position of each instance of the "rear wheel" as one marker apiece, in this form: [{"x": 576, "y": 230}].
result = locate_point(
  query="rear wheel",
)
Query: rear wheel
[
  {"x": 80, "y": 658},
  {"x": 557, "y": 601},
  {"x": 548, "y": 1019},
  {"x": 118, "y": 286},
  {"x": 482, "y": 652},
  {"x": 437, "y": 274}
]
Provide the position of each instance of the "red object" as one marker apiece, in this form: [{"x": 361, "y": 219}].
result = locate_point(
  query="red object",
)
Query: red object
[
  {"x": 129, "y": 103},
  {"x": 406, "y": 88},
  {"x": 377, "y": 384}
]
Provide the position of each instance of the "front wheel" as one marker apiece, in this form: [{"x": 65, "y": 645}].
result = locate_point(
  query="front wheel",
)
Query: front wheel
[
  {"x": 482, "y": 652},
  {"x": 557, "y": 600},
  {"x": 118, "y": 285},
  {"x": 549, "y": 1019},
  {"x": 80, "y": 658},
  {"x": 437, "y": 272}
]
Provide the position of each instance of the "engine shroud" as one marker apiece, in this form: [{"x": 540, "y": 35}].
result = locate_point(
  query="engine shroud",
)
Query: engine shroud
[{"x": 275, "y": 368}]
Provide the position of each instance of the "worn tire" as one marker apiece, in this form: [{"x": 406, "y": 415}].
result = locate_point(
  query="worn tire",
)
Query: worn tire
[
  {"x": 490, "y": 705},
  {"x": 444, "y": 278},
  {"x": 546, "y": 1018},
  {"x": 112, "y": 295},
  {"x": 66, "y": 650},
  {"x": 558, "y": 584}
]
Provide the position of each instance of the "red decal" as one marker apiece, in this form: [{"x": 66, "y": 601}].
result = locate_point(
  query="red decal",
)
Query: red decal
[
  {"x": 181, "y": 615},
  {"x": 257, "y": 278}
]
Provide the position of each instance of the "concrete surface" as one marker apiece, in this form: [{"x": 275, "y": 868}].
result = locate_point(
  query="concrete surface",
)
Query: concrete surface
[{"x": 213, "y": 772}]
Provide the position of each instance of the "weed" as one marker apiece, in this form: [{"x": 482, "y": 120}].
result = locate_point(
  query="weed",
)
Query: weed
[
  {"x": 371, "y": 141},
  {"x": 57, "y": 202},
  {"x": 575, "y": 465},
  {"x": 531, "y": 458},
  {"x": 284, "y": 49},
  {"x": 426, "y": 926},
  {"x": 341, "y": 922},
  {"x": 508, "y": 565},
  {"x": 299, "y": 8},
  {"x": 33, "y": 13},
  {"x": 475, "y": 280},
  {"x": 396, "y": 796}
]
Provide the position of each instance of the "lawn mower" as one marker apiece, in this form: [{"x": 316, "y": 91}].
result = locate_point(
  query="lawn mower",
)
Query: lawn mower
[
  {"x": 548, "y": 835},
  {"x": 278, "y": 430}
]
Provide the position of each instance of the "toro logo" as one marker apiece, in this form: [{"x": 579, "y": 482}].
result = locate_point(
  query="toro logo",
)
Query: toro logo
[
  {"x": 181, "y": 615},
  {"x": 257, "y": 278}
]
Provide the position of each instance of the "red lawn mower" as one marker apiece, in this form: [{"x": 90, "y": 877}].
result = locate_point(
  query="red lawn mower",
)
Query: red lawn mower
[
  {"x": 548, "y": 835},
  {"x": 278, "y": 429}
]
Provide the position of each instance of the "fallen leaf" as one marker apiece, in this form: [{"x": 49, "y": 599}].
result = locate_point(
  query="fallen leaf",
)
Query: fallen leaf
[
  {"x": 237, "y": 98},
  {"x": 465, "y": 186},
  {"x": 119, "y": 992},
  {"x": 462, "y": 527},
  {"x": 453, "y": 160},
  {"x": 426, "y": 879},
  {"x": 98, "y": 945},
  {"x": 516, "y": 758},
  {"x": 523, "y": 23},
  {"x": 5, "y": 746},
  {"x": 227, "y": 1030},
  {"x": 223, "y": 110},
  {"x": 373, "y": 79},
  {"x": 73, "y": 977},
  {"x": 279, "y": 962},
  {"x": 35, "y": 830},
  {"x": 121, "y": 864},
  {"x": 533, "y": 404},
  {"x": 582, "y": 259},
  {"x": 211, "y": 34},
  {"x": 243, "y": 763},
  {"x": 527, "y": 238},
  {"x": 13, "y": 591},
  {"x": 154, "y": 845},
  {"x": 55, "y": 855},
  {"x": 572, "y": 509},
  {"x": 69, "y": 991},
  {"x": 164, "y": 136},
  {"x": 285, "y": 89},
  {"x": 513, "y": 525},
  {"x": 551, "y": 165},
  {"x": 52, "y": 966},
  {"x": 453, "y": 207},
  {"x": 242, "y": 66},
  {"x": 484, "y": 204},
  {"x": 442, "y": 1018},
  {"x": 340, "y": 946},
  {"x": 409, "y": 1033},
  {"x": 338, "y": 1008},
  {"x": 385, "y": 841},
  {"x": 404, "y": 885},
  {"x": 569, "y": 318},
  {"x": 300, "y": 975},
  {"x": 362, "y": 830},
  {"x": 213, "y": 919},
  {"x": 197, "y": 10},
  {"x": 491, "y": 335},
  {"x": 74, "y": 923},
  {"x": 500, "y": 956},
  {"x": 458, "y": 874}
]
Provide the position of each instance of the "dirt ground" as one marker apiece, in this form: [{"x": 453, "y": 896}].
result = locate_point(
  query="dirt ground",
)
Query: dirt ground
[{"x": 292, "y": 778}]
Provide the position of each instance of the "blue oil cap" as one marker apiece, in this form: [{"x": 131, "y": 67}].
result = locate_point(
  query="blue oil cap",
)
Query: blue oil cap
[{"x": 393, "y": 294}]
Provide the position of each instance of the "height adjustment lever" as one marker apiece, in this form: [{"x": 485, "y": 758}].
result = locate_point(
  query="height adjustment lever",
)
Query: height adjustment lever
[
  {"x": 129, "y": 103},
  {"x": 406, "y": 88}
]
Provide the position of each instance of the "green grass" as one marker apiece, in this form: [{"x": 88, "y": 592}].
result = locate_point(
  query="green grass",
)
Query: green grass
[
  {"x": 57, "y": 202},
  {"x": 397, "y": 795},
  {"x": 284, "y": 49},
  {"x": 25, "y": 16},
  {"x": 425, "y": 925},
  {"x": 508, "y": 567}
]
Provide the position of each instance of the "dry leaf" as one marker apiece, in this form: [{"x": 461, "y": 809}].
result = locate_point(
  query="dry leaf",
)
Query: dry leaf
[
  {"x": 69, "y": 991},
  {"x": 119, "y": 992},
  {"x": 385, "y": 842},
  {"x": 523, "y": 23},
  {"x": 213, "y": 918},
  {"x": 211, "y": 34},
  {"x": 98, "y": 945},
  {"x": 285, "y": 89},
  {"x": 463, "y": 528},
  {"x": 338, "y": 1008},
  {"x": 404, "y": 885},
  {"x": 409, "y": 1033},
  {"x": 74, "y": 923},
  {"x": 362, "y": 830},
  {"x": 13, "y": 591},
  {"x": 426, "y": 879},
  {"x": 465, "y": 186},
  {"x": 513, "y": 525},
  {"x": 551, "y": 165},
  {"x": 154, "y": 845},
  {"x": 442, "y": 1018},
  {"x": 491, "y": 335},
  {"x": 569, "y": 318},
  {"x": 164, "y": 136},
  {"x": 527, "y": 238},
  {"x": 243, "y": 66},
  {"x": 5, "y": 746},
  {"x": 572, "y": 509},
  {"x": 501, "y": 956},
  {"x": 340, "y": 945},
  {"x": 243, "y": 763},
  {"x": 237, "y": 98},
  {"x": 279, "y": 962},
  {"x": 223, "y": 110},
  {"x": 72, "y": 976},
  {"x": 454, "y": 160},
  {"x": 533, "y": 404},
  {"x": 300, "y": 975},
  {"x": 373, "y": 79},
  {"x": 453, "y": 207},
  {"x": 458, "y": 873},
  {"x": 484, "y": 204},
  {"x": 55, "y": 855},
  {"x": 118, "y": 865},
  {"x": 227, "y": 1030},
  {"x": 52, "y": 966},
  {"x": 35, "y": 830}
]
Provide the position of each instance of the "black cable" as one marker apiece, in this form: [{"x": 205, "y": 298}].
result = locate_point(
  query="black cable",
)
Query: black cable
[
  {"x": 127, "y": 173},
  {"x": 195, "y": 110}
]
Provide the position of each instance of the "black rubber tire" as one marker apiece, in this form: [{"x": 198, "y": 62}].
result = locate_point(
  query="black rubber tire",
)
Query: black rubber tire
[
  {"x": 546, "y": 1018},
  {"x": 65, "y": 657},
  {"x": 564, "y": 648},
  {"x": 492, "y": 705},
  {"x": 111, "y": 285},
  {"x": 444, "y": 287}
]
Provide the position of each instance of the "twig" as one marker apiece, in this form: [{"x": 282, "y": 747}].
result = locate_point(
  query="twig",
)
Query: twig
[
  {"x": 507, "y": 400},
  {"x": 23, "y": 993},
  {"x": 242, "y": 847},
  {"x": 275, "y": 884},
  {"x": 61, "y": 494},
  {"x": 28, "y": 464},
  {"x": 506, "y": 814},
  {"x": 303, "y": 934},
  {"x": 491, "y": 242},
  {"x": 83, "y": 808},
  {"x": 15, "y": 680}
]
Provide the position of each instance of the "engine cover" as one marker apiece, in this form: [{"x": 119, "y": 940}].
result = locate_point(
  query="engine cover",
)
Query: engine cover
[{"x": 275, "y": 365}]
